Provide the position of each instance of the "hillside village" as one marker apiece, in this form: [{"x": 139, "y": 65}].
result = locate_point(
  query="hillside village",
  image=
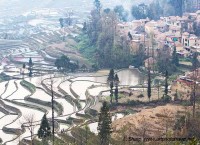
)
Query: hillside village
[
  {"x": 69, "y": 72},
  {"x": 171, "y": 31},
  {"x": 168, "y": 32}
]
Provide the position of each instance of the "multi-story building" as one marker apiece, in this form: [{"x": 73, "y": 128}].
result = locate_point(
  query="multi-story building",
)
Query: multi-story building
[{"x": 189, "y": 40}]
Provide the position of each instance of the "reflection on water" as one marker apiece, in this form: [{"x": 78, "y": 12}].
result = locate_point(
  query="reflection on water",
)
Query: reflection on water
[{"x": 129, "y": 77}]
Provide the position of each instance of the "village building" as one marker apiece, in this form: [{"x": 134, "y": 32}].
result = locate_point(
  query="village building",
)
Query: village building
[
  {"x": 189, "y": 40},
  {"x": 184, "y": 85},
  {"x": 171, "y": 31}
]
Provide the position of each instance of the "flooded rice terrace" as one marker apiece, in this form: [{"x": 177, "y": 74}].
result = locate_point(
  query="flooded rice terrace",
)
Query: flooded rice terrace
[
  {"x": 22, "y": 96},
  {"x": 32, "y": 33}
]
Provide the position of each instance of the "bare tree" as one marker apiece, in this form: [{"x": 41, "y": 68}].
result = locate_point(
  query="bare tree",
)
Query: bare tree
[
  {"x": 194, "y": 89},
  {"x": 51, "y": 85},
  {"x": 18, "y": 133},
  {"x": 30, "y": 125}
]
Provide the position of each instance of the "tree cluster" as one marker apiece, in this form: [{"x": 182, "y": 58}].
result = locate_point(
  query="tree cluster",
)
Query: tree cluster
[
  {"x": 167, "y": 62},
  {"x": 160, "y": 8},
  {"x": 152, "y": 11},
  {"x": 101, "y": 31},
  {"x": 121, "y": 13},
  {"x": 139, "y": 57},
  {"x": 67, "y": 20},
  {"x": 196, "y": 28},
  {"x": 65, "y": 64}
]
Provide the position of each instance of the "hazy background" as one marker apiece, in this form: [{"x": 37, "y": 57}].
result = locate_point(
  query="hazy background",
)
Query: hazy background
[{"x": 17, "y": 7}]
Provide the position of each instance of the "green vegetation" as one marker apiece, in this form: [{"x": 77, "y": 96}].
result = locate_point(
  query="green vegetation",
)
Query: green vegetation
[
  {"x": 139, "y": 57},
  {"x": 28, "y": 86},
  {"x": 116, "y": 81},
  {"x": 85, "y": 48},
  {"x": 107, "y": 98},
  {"x": 113, "y": 80},
  {"x": 121, "y": 12},
  {"x": 195, "y": 62},
  {"x": 158, "y": 9},
  {"x": 110, "y": 81},
  {"x": 99, "y": 41},
  {"x": 57, "y": 106},
  {"x": 166, "y": 83},
  {"x": 149, "y": 86},
  {"x": 104, "y": 125},
  {"x": 30, "y": 64},
  {"x": 4, "y": 77},
  {"x": 196, "y": 28},
  {"x": 164, "y": 61},
  {"x": 166, "y": 98},
  {"x": 91, "y": 112},
  {"x": 64, "y": 64},
  {"x": 175, "y": 59},
  {"x": 44, "y": 131},
  {"x": 142, "y": 11}
]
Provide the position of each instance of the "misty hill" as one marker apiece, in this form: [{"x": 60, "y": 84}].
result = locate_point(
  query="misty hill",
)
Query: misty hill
[{"x": 16, "y": 7}]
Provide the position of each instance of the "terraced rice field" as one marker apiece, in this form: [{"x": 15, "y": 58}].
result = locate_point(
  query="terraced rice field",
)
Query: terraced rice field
[
  {"x": 15, "y": 95},
  {"x": 22, "y": 97}
]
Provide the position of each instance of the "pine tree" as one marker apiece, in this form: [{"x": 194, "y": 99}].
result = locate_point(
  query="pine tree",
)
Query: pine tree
[
  {"x": 111, "y": 91},
  {"x": 30, "y": 72},
  {"x": 111, "y": 75},
  {"x": 44, "y": 130},
  {"x": 195, "y": 62},
  {"x": 97, "y": 5},
  {"x": 30, "y": 63},
  {"x": 104, "y": 125},
  {"x": 178, "y": 6},
  {"x": 149, "y": 86},
  {"x": 175, "y": 59},
  {"x": 23, "y": 69},
  {"x": 87, "y": 130},
  {"x": 110, "y": 80},
  {"x": 166, "y": 82},
  {"x": 116, "y": 80},
  {"x": 61, "y": 20},
  {"x": 84, "y": 27},
  {"x": 116, "y": 94},
  {"x": 130, "y": 36},
  {"x": 24, "y": 66}
]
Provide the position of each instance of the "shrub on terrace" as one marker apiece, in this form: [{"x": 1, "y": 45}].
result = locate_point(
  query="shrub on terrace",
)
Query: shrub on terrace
[
  {"x": 65, "y": 64},
  {"x": 28, "y": 86},
  {"x": 166, "y": 98},
  {"x": 44, "y": 131}
]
